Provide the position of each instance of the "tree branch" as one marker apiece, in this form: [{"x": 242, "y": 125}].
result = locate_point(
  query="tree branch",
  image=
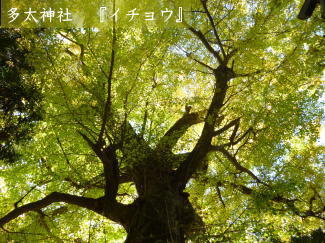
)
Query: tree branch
[
  {"x": 226, "y": 127},
  {"x": 108, "y": 104},
  {"x": 204, "y": 4},
  {"x": 205, "y": 42},
  {"x": 222, "y": 75},
  {"x": 229, "y": 56},
  {"x": 21, "y": 199},
  {"x": 199, "y": 62},
  {"x": 280, "y": 199},
  {"x": 89, "y": 203},
  {"x": 169, "y": 140},
  {"x": 110, "y": 164},
  {"x": 220, "y": 196},
  {"x": 238, "y": 166}
]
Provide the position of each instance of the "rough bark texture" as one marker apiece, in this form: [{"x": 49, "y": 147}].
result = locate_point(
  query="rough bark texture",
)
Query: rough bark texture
[{"x": 163, "y": 217}]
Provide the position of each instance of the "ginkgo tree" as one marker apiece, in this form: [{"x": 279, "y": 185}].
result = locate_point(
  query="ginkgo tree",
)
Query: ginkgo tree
[{"x": 205, "y": 133}]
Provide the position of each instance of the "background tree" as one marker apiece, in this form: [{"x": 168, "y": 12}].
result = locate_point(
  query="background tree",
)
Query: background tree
[
  {"x": 20, "y": 99},
  {"x": 316, "y": 236},
  {"x": 207, "y": 132}
]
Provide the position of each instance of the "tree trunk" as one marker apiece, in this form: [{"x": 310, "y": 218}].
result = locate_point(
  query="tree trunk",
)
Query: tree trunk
[{"x": 162, "y": 217}]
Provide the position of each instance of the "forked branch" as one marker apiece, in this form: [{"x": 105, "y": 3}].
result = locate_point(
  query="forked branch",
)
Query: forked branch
[{"x": 110, "y": 164}]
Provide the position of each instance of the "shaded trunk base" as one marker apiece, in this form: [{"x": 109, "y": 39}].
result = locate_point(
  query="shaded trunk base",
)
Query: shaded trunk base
[{"x": 161, "y": 219}]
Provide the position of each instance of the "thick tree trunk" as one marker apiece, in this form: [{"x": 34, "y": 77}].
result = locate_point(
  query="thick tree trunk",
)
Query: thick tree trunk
[{"x": 162, "y": 217}]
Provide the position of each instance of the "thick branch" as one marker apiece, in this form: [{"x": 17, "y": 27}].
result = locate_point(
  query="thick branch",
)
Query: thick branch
[
  {"x": 169, "y": 140},
  {"x": 222, "y": 74},
  {"x": 226, "y": 127},
  {"x": 111, "y": 171},
  {"x": 110, "y": 164},
  {"x": 89, "y": 203}
]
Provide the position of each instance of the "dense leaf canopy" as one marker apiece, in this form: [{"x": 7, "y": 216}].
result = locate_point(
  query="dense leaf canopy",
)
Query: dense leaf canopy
[
  {"x": 20, "y": 99},
  {"x": 228, "y": 106}
]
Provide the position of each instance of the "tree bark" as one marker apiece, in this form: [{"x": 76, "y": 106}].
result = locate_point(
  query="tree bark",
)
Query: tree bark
[{"x": 167, "y": 216}]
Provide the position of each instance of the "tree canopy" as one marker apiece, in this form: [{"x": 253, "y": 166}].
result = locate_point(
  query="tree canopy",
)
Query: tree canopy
[
  {"x": 204, "y": 133},
  {"x": 20, "y": 99}
]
